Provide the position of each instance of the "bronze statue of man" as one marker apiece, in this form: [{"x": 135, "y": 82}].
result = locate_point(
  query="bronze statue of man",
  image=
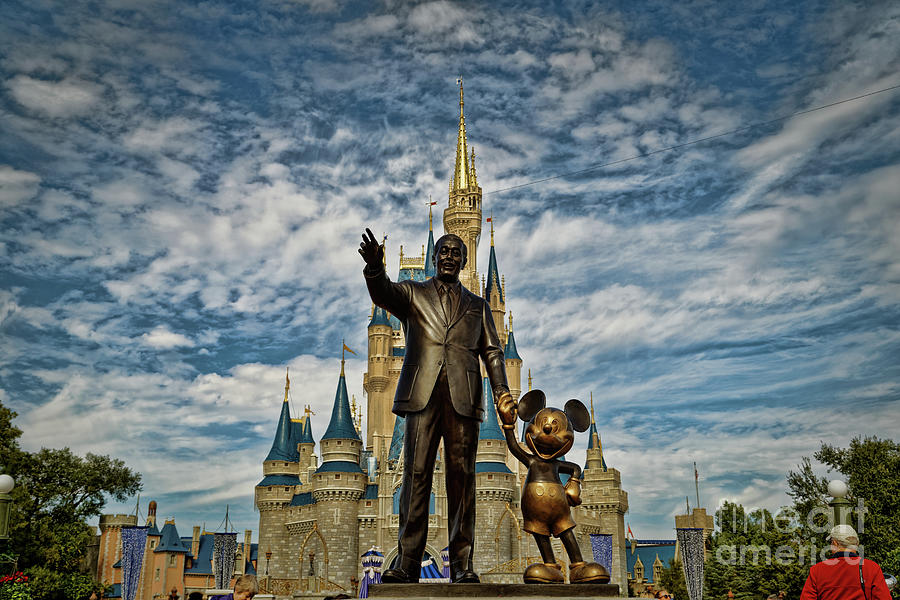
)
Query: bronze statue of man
[{"x": 447, "y": 329}]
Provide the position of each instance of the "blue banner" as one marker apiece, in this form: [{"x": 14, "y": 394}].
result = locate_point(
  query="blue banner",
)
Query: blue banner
[
  {"x": 134, "y": 540},
  {"x": 601, "y": 548}
]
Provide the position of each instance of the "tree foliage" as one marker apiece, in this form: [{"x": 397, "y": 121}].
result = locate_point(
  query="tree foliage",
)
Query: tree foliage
[
  {"x": 56, "y": 492},
  {"x": 871, "y": 468},
  {"x": 755, "y": 554},
  {"x": 671, "y": 579}
]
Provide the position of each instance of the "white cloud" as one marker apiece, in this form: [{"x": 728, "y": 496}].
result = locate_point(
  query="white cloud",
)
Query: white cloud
[
  {"x": 17, "y": 186},
  {"x": 161, "y": 338},
  {"x": 65, "y": 98}
]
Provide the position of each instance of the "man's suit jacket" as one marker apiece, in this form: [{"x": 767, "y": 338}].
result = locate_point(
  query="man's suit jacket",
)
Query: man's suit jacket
[{"x": 432, "y": 344}]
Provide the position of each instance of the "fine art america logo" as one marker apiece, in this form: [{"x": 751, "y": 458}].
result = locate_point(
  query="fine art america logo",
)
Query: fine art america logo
[{"x": 788, "y": 521}]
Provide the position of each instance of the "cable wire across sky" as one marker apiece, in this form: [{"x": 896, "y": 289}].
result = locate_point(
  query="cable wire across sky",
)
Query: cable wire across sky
[{"x": 697, "y": 141}]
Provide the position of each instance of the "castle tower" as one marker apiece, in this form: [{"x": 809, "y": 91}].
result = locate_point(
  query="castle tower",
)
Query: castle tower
[
  {"x": 153, "y": 539},
  {"x": 493, "y": 290},
  {"x": 463, "y": 213},
  {"x": 111, "y": 543},
  {"x": 378, "y": 383},
  {"x": 167, "y": 562},
  {"x": 338, "y": 485},
  {"x": 307, "y": 445},
  {"x": 280, "y": 482},
  {"x": 495, "y": 485},
  {"x": 429, "y": 245},
  {"x": 513, "y": 362},
  {"x": 603, "y": 508}
]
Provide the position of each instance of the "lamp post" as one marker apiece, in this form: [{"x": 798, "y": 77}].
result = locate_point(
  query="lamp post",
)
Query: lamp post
[
  {"x": 268, "y": 558},
  {"x": 840, "y": 506},
  {"x": 6, "y": 486}
]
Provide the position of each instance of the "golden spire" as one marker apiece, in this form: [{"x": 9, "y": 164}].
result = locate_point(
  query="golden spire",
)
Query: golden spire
[
  {"x": 354, "y": 412},
  {"x": 308, "y": 411},
  {"x": 474, "y": 178},
  {"x": 510, "y": 328},
  {"x": 596, "y": 432},
  {"x": 287, "y": 383},
  {"x": 529, "y": 380},
  {"x": 492, "y": 227},
  {"x": 429, "y": 213},
  {"x": 461, "y": 172}
]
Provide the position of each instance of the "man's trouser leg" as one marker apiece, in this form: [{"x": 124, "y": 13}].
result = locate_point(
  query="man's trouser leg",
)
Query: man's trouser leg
[
  {"x": 423, "y": 432},
  {"x": 460, "y": 444}
]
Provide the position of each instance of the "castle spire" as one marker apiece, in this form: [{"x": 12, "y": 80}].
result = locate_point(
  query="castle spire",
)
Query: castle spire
[
  {"x": 341, "y": 424},
  {"x": 284, "y": 447},
  {"x": 594, "y": 439},
  {"x": 307, "y": 437},
  {"x": 461, "y": 172},
  {"x": 429, "y": 247},
  {"x": 493, "y": 274},
  {"x": 510, "y": 352}
]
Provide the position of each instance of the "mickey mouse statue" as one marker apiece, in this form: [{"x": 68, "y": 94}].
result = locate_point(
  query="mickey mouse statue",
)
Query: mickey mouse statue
[{"x": 545, "y": 502}]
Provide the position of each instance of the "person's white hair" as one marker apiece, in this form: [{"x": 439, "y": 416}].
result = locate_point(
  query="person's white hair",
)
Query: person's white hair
[{"x": 845, "y": 537}]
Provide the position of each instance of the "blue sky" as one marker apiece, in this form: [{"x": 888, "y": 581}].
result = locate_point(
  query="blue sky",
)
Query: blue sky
[{"x": 182, "y": 189}]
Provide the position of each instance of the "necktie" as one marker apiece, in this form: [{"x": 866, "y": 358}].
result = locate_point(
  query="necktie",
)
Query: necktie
[{"x": 446, "y": 301}]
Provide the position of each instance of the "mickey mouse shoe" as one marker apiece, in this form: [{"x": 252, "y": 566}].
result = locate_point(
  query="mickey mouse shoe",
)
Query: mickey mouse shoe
[{"x": 588, "y": 572}]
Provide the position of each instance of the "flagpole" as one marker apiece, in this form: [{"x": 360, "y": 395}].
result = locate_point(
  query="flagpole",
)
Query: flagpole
[{"x": 697, "y": 483}]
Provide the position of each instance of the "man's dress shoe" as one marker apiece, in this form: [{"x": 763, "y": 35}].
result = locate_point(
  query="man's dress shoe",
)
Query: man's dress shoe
[
  {"x": 466, "y": 577},
  {"x": 398, "y": 576}
]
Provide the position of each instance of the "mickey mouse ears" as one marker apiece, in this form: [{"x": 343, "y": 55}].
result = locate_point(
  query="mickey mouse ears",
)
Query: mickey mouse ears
[
  {"x": 530, "y": 404},
  {"x": 578, "y": 415}
]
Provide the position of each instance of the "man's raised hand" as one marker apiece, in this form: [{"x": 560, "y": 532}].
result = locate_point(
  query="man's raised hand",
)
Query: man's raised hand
[{"x": 371, "y": 251}]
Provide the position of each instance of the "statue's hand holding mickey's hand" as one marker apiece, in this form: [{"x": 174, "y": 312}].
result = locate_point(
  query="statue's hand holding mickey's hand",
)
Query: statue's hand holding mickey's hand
[
  {"x": 506, "y": 406},
  {"x": 371, "y": 251}
]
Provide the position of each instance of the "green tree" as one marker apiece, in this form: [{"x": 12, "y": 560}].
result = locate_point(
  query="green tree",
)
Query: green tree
[
  {"x": 871, "y": 468},
  {"x": 671, "y": 578},
  {"x": 754, "y": 554},
  {"x": 56, "y": 492}
]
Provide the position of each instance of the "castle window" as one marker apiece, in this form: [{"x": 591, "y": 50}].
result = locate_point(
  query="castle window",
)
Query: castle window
[
  {"x": 157, "y": 574},
  {"x": 152, "y": 544},
  {"x": 172, "y": 561},
  {"x": 337, "y": 475},
  {"x": 490, "y": 475},
  {"x": 368, "y": 503},
  {"x": 287, "y": 488},
  {"x": 340, "y": 442},
  {"x": 285, "y": 464}
]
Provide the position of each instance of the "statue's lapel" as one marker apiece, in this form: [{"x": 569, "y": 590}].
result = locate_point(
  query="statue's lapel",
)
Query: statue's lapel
[
  {"x": 434, "y": 297},
  {"x": 465, "y": 300}
]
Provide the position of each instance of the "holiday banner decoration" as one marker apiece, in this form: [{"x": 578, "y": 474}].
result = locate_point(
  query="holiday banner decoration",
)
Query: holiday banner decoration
[{"x": 693, "y": 553}]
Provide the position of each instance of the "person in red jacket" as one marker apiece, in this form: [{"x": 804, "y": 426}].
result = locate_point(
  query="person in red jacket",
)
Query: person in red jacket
[{"x": 845, "y": 576}]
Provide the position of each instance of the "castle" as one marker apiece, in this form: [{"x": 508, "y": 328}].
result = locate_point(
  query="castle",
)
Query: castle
[{"x": 316, "y": 519}]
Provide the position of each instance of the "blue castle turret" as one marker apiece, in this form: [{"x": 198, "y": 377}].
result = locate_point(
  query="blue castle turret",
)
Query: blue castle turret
[
  {"x": 340, "y": 444},
  {"x": 491, "y": 457},
  {"x": 339, "y": 482}
]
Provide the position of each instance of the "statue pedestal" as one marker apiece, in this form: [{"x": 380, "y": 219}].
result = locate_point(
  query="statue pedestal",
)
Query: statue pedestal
[{"x": 510, "y": 591}]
